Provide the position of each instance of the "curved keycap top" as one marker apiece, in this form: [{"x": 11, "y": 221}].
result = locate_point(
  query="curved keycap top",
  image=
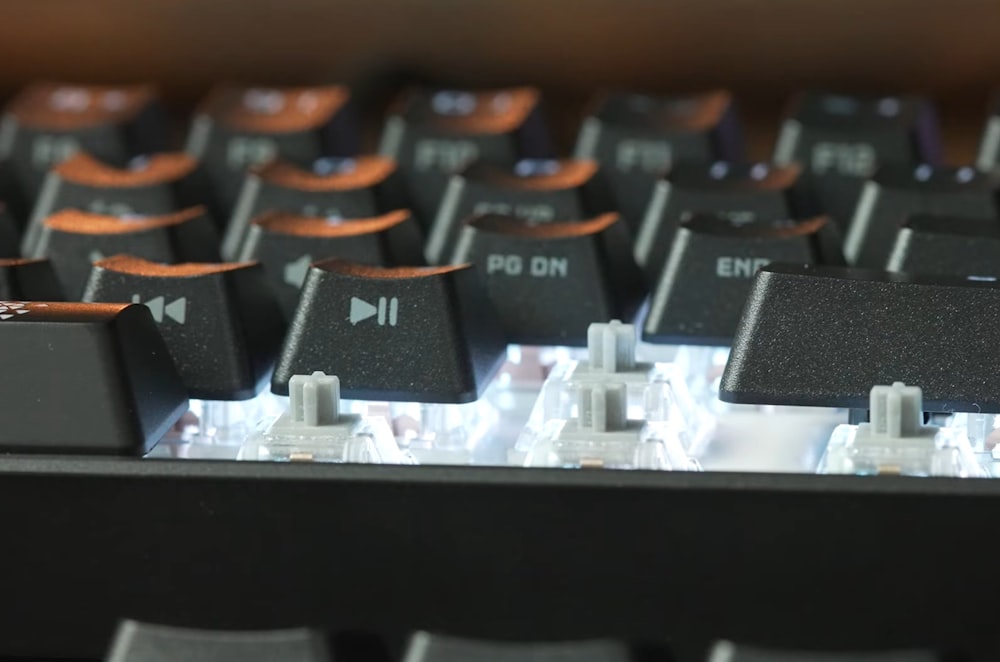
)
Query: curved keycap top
[
  {"x": 739, "y": 193},
  {"x": 896, "y": 192},
  {"x": 48, "y": 122},
  {"x": 701, "y": 292},
  {"x": 23, "y": 279},
  {"x": 237, "y": 127},
  {"x": 357, "y": 187},
  {"x": 91, "y": 378},
  {"x": 539, "y": 191},
  {"x": 220, "y": 322},
  {"x": 434, "y": 133},
  {"x": 823, "y": 336},
  {"x": 423, "y": 334},
  {"x": 73, "y": 240},
  {"x": 947, "y": 245},
  {"x": 286, "y": 244},
  {"x": 160, "y": 184},
  {"x": 639, "y": 137},
  {"x": 549, "y": 282}
]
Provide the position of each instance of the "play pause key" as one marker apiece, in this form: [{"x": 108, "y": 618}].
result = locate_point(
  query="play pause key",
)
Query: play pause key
[
  {"x": 421, "y": 334},
  {"x": 362, "y": 310}
]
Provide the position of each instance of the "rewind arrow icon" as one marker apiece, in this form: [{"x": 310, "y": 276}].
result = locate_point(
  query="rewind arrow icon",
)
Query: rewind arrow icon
[{"x": 175, "y": 310}]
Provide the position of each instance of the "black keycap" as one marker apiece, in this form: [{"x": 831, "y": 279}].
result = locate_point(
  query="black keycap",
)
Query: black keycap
[
  {"x": 725, "y": 651},
  {"x": 28, "y": 280},
  {"x": 407, "y": 333},
  {"x": 989, "y": 148},
  {"x": 740, "y": 193},
  {"x": 153, "y": 186},
  {"x": 47, "y": 122},
  {"x": 143, "y": 642},
  {"x": 539, "y": 191},
  {"x": 220, "y": 322},
  {"x": 638, "y": 137},
  {"x": 15, "y": 203},
  {"x": 946, "y": 245},
  {"x": 705, "y": 283},
  {"x": 286, "y": 244},
  {"x": 74, "y": 240},
  {"x": 90, "y": 378},
  {"x": 434, "y": 133},
  {"x": 896, "y": 192},
  {"x": 823, "y": 336},
  {"x": 10, "y": 244},
  {"x": 549, "y": 282},
  {"x": 361, "y": 187},
  {"x": 840, "y": 140},
  {"x": 427, "y": 647},
  {"x": 238, "y": 127}
]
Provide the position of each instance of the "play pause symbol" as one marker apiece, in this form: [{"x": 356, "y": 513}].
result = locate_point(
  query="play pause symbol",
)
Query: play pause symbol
[{"x": 362, "y": 310}]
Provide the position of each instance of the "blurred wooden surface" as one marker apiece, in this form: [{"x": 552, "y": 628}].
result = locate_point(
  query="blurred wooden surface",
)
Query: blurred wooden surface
[{"x": 761, "y": 49}]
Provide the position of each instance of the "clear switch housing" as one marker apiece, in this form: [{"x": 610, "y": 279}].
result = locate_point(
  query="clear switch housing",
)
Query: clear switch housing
[
  {"x": 314, "y": 429},
  {"x": 897, "y": 442}
]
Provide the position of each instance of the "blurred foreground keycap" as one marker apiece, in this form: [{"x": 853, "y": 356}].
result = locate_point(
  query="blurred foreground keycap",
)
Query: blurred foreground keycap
[{"x": 85, "y": 378}]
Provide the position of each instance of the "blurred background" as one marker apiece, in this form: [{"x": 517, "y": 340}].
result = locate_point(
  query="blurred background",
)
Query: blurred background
[{"x": 762, "y": 51}]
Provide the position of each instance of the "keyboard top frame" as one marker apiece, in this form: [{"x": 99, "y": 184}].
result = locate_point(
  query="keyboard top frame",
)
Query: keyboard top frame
[{"x": 798, "y": 561}]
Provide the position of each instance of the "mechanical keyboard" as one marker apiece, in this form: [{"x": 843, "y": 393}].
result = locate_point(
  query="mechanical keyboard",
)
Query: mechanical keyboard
[{"x": 496, "y": 362}]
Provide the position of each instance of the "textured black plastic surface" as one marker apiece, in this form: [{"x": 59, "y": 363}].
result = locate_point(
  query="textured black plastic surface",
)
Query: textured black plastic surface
[
  {"x": 286, "y": 244},
  {"x": 705, "y": 282},
  {"x": 841, "y": 140},
  {"x": 333, "y": 194},
  {"x": 947, "y": 245},
  {"x": 540, "y": 192},
  {"x": 740, "y": 193},
  {"x": 896, "y": 192},
  {"x": 220, "y": 322},
  {"x": 549, "y": 282},
  {"x": 85, "y": 378},
  {"x": 151, "y": 198},
  {"x": 783, "y": 561},
  {"x": 28, "y": 280},
  {"x": 638, "y": 137},
  {"x": 73, "y": 248},
  {"x": 430, "y": 141},
  {"x": 409, "y": 334},
  {"x": 227, "y": 148},
  {"x": 9, "y": 242},
  {"x": 824, "y": 336},
  {"x": 32, "y": 148}
]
